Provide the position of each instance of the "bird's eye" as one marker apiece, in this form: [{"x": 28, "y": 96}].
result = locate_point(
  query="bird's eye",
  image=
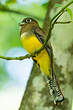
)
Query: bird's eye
[{"x": 28, "y": 20}]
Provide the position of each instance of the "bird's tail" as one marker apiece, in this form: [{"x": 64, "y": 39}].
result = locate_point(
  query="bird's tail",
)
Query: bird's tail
[{"x": 55, "y": 90}]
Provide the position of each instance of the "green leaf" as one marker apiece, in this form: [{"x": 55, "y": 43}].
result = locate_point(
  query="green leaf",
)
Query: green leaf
[
  {"x": 69, "y": 12},
  {"x": 57, "y": 5}
]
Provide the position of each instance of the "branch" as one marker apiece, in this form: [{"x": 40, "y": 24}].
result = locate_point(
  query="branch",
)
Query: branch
[
  {"x": 62, "y": 10},
  {"x": 46, "y": 23},
  {"x": 57, "y": 19},
  {"x": 16, "y": 58},
  {"x": 67, "y": 22},
  {"x": 48, "y": 36}
]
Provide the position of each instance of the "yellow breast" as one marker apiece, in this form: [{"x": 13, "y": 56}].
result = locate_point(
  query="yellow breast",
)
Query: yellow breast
[{"x": 31, "y": 44}]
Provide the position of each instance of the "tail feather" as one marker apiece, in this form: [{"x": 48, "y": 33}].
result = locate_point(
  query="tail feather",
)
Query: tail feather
[{"x": 55, "y": 90}]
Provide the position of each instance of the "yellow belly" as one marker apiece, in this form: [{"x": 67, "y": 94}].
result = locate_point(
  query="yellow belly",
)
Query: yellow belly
[{"x": 32, "y": 44}]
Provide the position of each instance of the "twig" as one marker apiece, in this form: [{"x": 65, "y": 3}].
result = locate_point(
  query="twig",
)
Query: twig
[
  {"x": 56, "y": 19},
  {"x": 16, "y": 58},
  {"x": 62, "y": 10},
  {"x": 67, "y": 22}
]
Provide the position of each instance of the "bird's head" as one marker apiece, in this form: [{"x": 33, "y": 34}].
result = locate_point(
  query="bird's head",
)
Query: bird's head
[
  {"x": 28, "y": 21},
  {"x": 28, "y": 24}
]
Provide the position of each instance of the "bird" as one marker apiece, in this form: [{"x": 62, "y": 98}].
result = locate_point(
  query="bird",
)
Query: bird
[{"x": 33, "y": 38}]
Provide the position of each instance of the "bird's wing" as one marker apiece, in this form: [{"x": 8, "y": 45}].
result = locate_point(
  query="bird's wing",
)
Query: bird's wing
[{"x": 40, "y": 35}]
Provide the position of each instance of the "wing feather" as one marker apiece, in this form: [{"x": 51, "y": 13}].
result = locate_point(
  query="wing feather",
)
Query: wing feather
[{"x": 41, "y": 39}]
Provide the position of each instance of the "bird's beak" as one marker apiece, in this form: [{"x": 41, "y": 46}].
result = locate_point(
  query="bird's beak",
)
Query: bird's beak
[{"x": 21, "y": 24}]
